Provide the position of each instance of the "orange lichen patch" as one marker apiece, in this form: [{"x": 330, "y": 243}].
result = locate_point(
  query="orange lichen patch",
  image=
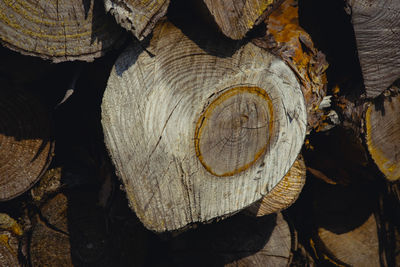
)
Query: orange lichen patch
[
  {"x": 9, "y": 224},
  {"x": 294, "y": 45},
  {"x": 237, "y": 123}
]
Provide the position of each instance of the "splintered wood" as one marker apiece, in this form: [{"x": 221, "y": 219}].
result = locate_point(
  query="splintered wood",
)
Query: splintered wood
[
  {"x": 285, "y": 38},
  {"x": 138, "y": 17},
  {"x": 202, "y": 129}
]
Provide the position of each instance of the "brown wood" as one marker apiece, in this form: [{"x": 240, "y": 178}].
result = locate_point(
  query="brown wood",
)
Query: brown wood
[
  {"x": 73, "y": 230},
  {"x": 237, "y": 241},
  {"x": 377, "y": 29},
  {"x": 139, "y": 17},
  {"x": 58, "y": 30},
  {"x": 284, "y": 194},
  {"x": 382, "y": 123},
  {"x": 236, "y": 17},
  {"x": 8, "y": 250},
  {"x": 25, "y": 141}
]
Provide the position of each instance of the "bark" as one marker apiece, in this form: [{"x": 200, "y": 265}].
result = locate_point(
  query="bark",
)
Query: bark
[
  {"x": 198, "y": 131},
  {"x": 377, "y": 29},
  {"x": 59, "y": 31},
  {"x": 236, "y": 17},
  {"x": 287, "y": 39},
  {"x": 25, "y": 138},
  {"x": 139, "y": 17}
]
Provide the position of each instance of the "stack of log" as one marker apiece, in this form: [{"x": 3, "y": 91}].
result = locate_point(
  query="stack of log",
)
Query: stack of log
[{"x": 199, "y": 133}]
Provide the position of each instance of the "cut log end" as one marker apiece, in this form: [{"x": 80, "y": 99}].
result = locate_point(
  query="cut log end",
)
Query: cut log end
[
  {"x": 25, "y": 144},
  {"x": 284, "y": 194},
  {"x": 203, "y": 134},
  {"x": 236, "y": 18},
  {"x": 234, "y": 130},
  {"x": 382, "y": 123},
  {"x": 59, "y": 31}
]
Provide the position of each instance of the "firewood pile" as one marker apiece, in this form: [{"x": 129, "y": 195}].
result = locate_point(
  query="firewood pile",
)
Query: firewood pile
[{"x": 200, "y": 133}]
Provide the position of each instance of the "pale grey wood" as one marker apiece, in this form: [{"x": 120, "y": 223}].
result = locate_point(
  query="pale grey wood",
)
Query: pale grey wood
[
  {"x": 377, "y": 30},
  {"x": 139, "y": 17},
  {"x": 151, "y": 110},
  {"x": 236, "y": 17}
]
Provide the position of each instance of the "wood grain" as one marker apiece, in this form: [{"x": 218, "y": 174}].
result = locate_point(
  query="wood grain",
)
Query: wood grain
[
  {"x": 238, "y": 241},
  {"x": 382, "y": 123},
  {"x": 25, "y": 141},
  {"x": 287, "y": 39},
  {"x": 284, "y": 194},
  {"x": 139, "y": 17},
  {"x": 152, "y": 107},
  {"x": 236, "y": 17},
  {"x": 359, "y": 247},
  {"x": 377, "y": 29},
  {"x": 57, "y": 30}
]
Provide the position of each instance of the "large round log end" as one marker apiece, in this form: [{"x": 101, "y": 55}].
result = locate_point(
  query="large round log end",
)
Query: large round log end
[{"x": 197, "y": 133}]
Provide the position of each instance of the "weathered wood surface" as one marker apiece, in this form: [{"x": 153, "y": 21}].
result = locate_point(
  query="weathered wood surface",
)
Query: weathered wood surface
[
  {"x": 237, "y": 241},
  {"x": 287, "y": 39},
  {"x": 346, "y": 228},
  {"x": 359, "y": 247},
  {"x": 8, "y": 250},
  {"x": 236, "y": 17},
  {"x": 284, "y": 194},
  {"x": 199, "y": 131},
  {"x": 25, "y": 141},
  {"x": 377, "y": 29},
  {"x": 139, "y": 17},
  {"x": 58, "y": 30},
  {"x": 382, "y": 123},
  {"x": 71, "y": 231}
]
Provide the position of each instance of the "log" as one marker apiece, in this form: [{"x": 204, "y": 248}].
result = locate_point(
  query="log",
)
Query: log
[
  {"x": 284, "y": 194},
  {"x": 359, "y": 247},
  {"x": 73, "y": 230},
  {"x": 377, "y": 30},
  {"x": 59, "y": 31},
  {"x": 202, "y": 129},
  {"x": 8, "y": 250},
  {"x": 237, "y": 241},
  {"x": 69, "y": 235},
  {"x": 382, "y": 123},
  {"x": 138, "y": 17},
  {"x": 236, "y": 17},
  {"x": 26, "y": 146},
  {"x": 345, "y": 226},
  {"x": 287, "y": 39}
]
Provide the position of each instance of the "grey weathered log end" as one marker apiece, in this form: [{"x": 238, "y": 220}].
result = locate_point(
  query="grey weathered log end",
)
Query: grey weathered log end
[
  {"x": 377, "y": 29},
  {"x": 138, "y": 17},
  {"x": 196, "y": 133}
]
